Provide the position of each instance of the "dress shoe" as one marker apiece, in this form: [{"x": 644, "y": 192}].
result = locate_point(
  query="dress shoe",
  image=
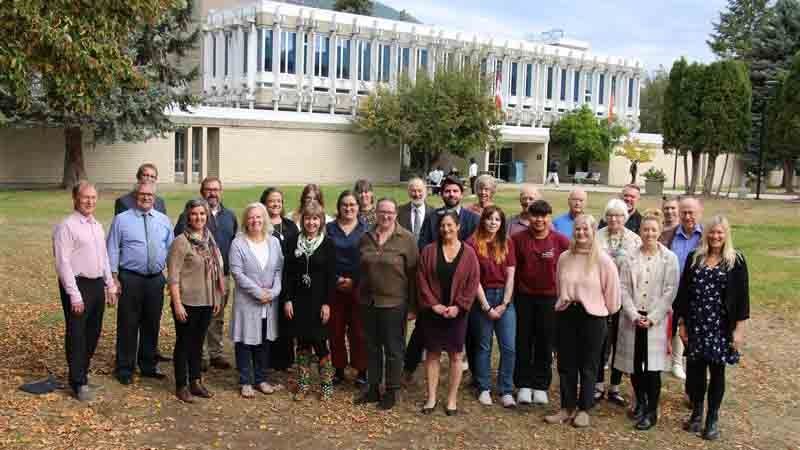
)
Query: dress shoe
[
  {"x": 388, "y": 400},
  {"x": 184, "y": 395},
  {"x": 197, "y": 389},
  {"x": 639, "y": 411},
  {"x": 695, "y": 422},
  {"x": 647, "y": 421},
  {"x": 427, "y": 411},
  {"x": 125, "y": 379},
  {"x": 83, "y": 394},
  {"x": 450, "y": 412},
  {"x": 372, "y": 395},
  {"x": 154, "y": 374},
  {"x": 220, "y": 363},
  {"x": 616, "y": 398}
]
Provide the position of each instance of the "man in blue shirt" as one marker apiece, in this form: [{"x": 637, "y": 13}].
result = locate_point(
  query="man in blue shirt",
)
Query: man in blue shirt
[
  {"x": 138, "y": 242},
  {"x": 565, "y": 222}
]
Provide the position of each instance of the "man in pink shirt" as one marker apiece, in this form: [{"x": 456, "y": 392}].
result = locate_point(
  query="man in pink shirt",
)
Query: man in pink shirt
[{"x": 85, "y": 283}]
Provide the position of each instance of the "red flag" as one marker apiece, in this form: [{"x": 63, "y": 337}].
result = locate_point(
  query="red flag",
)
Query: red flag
[{"x": 611, "y": 109}]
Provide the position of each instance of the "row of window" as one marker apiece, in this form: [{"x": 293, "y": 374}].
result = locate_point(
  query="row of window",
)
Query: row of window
[{"x": 288, "y": 63}]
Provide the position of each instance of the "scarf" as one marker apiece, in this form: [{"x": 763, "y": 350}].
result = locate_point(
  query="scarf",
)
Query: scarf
[
  {"x": 306, "y": 246},
  {"x": 204, "y": 246}
]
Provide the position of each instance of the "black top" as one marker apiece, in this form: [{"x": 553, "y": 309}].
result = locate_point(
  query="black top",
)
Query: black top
[
  {"x": 445, "y": 271},
  {"x": 430, "y": 227},
  {"x": 128, "y": 201},
  {"x": 285, "y": 232},
  {"x": 307, "y": 299}
]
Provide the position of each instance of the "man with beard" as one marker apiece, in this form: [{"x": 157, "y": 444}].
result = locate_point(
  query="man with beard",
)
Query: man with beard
[
  {"x": 413, "y": 214},
  {"x": 223, "y": 225}
]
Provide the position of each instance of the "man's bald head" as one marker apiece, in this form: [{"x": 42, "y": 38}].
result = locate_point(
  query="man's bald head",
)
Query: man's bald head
[
  {"x": 577, "y": 202},
  {"x": 527, "y": 195}
]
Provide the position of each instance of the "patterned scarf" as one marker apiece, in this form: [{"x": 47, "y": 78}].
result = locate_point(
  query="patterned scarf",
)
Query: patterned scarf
[
  {"x": 204, "y": 246},
  {"x": 306, "y": 246}
]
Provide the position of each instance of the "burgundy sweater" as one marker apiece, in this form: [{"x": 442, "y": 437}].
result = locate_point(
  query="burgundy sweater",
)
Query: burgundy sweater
[{"x": 466, "y": 278}]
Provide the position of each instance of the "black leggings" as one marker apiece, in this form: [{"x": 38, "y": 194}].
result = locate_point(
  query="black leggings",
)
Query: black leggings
[
  {"x": 696, "y": 374},
  {"x": 189, "y": 338},
  {"x": 610, "y": 349},
  {"x": 646, "y": 383}
]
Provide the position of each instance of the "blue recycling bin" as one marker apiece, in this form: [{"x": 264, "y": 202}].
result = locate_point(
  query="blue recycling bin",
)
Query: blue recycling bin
[{"x": 519, "y": 171}]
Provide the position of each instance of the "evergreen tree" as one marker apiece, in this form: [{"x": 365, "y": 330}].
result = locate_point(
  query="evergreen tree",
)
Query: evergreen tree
[
  {"x": 652, "y": 101},
  {"x": 783, "y": 141},
  {"x": 733, "y": 33},
  {"x": 362, "y": 7}
]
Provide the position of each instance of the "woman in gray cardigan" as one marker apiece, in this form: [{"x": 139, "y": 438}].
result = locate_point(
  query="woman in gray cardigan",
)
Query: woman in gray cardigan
[{"x": 256, "y": 263}]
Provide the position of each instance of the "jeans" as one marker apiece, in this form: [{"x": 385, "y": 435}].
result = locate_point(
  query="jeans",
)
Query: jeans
[
  {"x": 536, "y": 323},
  {"x": 506, "y": 329},
  {"x": 255, "y": 357},
  {"x": 384, "y": 335},
  {"x": 580, "y": 336},
  {"x": 189, "y": 338}
]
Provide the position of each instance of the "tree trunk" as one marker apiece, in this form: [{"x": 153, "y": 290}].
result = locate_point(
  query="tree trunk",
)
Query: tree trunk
[
  {"x": 722, "y": 178},
  {"x": 696, "y": 170},
  {"x": 788, "y": 175},
  {"x": 74, "y": 169},
  {"x": 675, "y": 172},
  {"x": 708, "y": 181},
  {"x": 686, "y": 171}
]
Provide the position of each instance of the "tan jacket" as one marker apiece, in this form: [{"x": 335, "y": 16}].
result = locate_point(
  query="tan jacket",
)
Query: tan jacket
[{"x": 388, "y": 272}]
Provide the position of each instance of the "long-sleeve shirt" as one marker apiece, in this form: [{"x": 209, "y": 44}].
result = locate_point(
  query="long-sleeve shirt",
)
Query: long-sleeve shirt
[
  {"x": 596, "y": 288},
  {"x": 389, "y": 271},
  {"x": 223, "y": 225},
  {"x": 682, "y": 244},
  {"x": 80, "y": 251},
  {"x": 536, "y": 262},
  {"x": 128, "y": 242},
  {"x": 187, "y": 269},
  {"x": 347, "y": 252}
]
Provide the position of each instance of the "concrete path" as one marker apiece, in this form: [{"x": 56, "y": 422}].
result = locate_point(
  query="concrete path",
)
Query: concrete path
[{"x": 566, "y": 187}]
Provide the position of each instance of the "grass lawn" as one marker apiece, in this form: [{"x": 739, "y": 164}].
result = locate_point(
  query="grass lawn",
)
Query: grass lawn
[{"x": 760, "y": 409}]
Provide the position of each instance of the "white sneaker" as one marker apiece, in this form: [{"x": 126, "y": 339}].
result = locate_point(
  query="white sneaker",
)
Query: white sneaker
[
  {"x": 485, "y": 398},
  {"x": 678, "y": 372},
  {"x": 524, "y": 396},
  {"x": 540, "y": 397},
  {"x": 508, "y": 401}
]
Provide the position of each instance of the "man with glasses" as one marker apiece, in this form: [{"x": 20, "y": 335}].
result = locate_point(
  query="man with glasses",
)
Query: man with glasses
[
  {"x": 630, "y": 195},
  {"x": 146, "y": 172}
]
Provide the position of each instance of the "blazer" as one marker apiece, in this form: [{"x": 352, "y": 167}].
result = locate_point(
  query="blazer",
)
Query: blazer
[
  {"x": 251, "y": 281},
  {"x": 404, "y": 215},
  {"x": 430, "y": 227},
  {"x": 736, "y": 295},
  {"x": 466, "y": 279}
]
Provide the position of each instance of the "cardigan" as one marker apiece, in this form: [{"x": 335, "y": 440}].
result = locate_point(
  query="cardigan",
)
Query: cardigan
[
  {"x": 654, "y": 285},
  {"x": 466, "y": 279},
  {"x": 251, "y": 281},
  {"x": 187, "y": 269},
  {"x": 736, "y": 295}
]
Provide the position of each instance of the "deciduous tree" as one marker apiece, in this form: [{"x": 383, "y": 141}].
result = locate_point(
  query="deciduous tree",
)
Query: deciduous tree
[{"x": 582, "y": 137}]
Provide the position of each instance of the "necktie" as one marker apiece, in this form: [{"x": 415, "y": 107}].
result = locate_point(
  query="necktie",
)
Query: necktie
[
  {"x": 417, "y": 221},
  {"x": 150, "y": 252}
]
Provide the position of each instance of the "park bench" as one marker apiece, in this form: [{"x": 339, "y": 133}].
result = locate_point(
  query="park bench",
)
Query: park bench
[{"x": 586, "y": 178}]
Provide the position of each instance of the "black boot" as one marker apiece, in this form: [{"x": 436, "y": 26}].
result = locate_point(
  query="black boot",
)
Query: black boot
[
  {"x": 695, "y": 422},
  {"x": 711, "y": 432},
  {"x": 388, "y": 400},
  {"x": 648, "y": 420},
  {"x": 338, "y": 377},
  {"x": 373, "y": 395},
  {"x": 640, "y": 410}
]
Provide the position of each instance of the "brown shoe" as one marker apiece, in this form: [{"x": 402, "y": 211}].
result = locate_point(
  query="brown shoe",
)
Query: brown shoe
[
  {"x": 220, "y": 363},
  {"x": 184, "y": 395},
  {"x": 199, "y": 390}
]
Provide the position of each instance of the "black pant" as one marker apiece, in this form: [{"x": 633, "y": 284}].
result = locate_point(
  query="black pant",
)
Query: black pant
[
  {"x": 138, "y": 321},
  {"x": 536, "y": 325},
  {"x": 318, "y": 346},
  {"x": 281, "y": 355},
  {"x": 610, "y": 349},
  {"x": 414, "y": 350},
  {"x": 646, "y": 383},
  {"x": 83, "y": 330},
  {"x": 189, "y": 338},
  {"x": 699, "y": 370},
  {"x": 580, "y": 337},
  {"x": 472, "y": 342},
  {"x": 384, "y": 338}
]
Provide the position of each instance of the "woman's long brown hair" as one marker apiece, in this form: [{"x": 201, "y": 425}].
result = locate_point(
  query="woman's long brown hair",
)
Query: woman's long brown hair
[{"x": 496, "y": 248}]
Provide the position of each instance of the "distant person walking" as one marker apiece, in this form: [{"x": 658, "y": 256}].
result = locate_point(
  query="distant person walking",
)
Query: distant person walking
[
  {"x": 552, "y": 173},
  {"x": 473, "y": 174}
]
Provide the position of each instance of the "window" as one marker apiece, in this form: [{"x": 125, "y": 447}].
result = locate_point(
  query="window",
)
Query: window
[
  {"x": 483, "y": 67},
  {"x": 364, "y": 60},
  {"x": 343, "y": 59},
  {"x": 214, "y": 55},
  {"x": 403, "y": 60},
  {"x": 422, "y": 59},
  {"x": 384, "y": 62},
  {"x": 514, "y": 67},
  {"x": 195, "y": 150},
  {"x": 322, "y": 46},
  {"x": 268, "y": 50},
  {"x": 563, "y": 96},
  {"x": 528, "y": 79},
  {"x": 227, "y": 51},
  {"x": 288, "y": 52},
  {"x": 550, "y": 83},
  {"x": 576, "y": 87},
  {"x": 246, "y": 49},
  {"x": 589, "y": 87},
  {"x": 630, "y": 93},
  {"x": 602, "y": 90},
  {"x": 466, "y": 61},
  {"x": 259, "y": 49},
  {"x": 180, "y": 150}
]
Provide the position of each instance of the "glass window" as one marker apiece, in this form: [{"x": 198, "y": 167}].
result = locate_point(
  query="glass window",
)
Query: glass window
[
  {"x": 576, "y": 86},
  {"x": 321, "y": 56},
  {"x": 528, "y": 79},
  {"x": 563, "y": 96},
  {"x": 288, "y": 52},
  {"x": 422, "y": 59},
  {"x": 364, "y": 60},
  {"x": 246, "y": 48},
  {"x": 306, "y": 67},
  {"x": 259, "y": 49},
  {"x": 483, "y": 67},
  {"x": 602, "y": 89},
  {"x": 589, "y": 86},
  {"x": 467, "y": 61},
  {"x": 195, "y": 150},
  {"x": 227, "y": 51},
  {"x": 630, "y": 93},
  {"x": 550, "y": 83},
  {"x": 514, "y": 67},
  {"x": 450, "y": 60},
  {"x": 403, "y": 60},
  {"x": 214, "y": 55},
  {"x": 180, "y": 150},
  {"x": 384, "y": 61},
  {"x": 268, "y": 50},
  {"x": 343, "y": 59}
]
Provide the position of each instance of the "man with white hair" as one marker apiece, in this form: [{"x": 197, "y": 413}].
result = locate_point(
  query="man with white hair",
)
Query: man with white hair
[
  {"x": 565, "y": 222},
  {"x": 412, "y": 215},
  {"x": 527, "y": 195}
]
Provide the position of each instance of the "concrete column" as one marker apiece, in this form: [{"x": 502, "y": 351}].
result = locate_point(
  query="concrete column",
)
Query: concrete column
[
  {"x": 220, "y": 79},
  {"x": 208, "y": 79},
  {"x": 300, "y": 59},
  {"x": 252, "y": 64},
  {"x": 520, "y": 82},
  {"x": 203, "y": 131},
  {"x": 393, "y": 67},
  {"x": 187, "y": 167},
  {"x": 607, "y": 92},
  {"x": 595, "y": 89},
  {"x": 276, "y": 65},
  {"x": 557, "y": 86},
  {"x": 433, "y": 53},
  {"x": 413, "y": 63}
]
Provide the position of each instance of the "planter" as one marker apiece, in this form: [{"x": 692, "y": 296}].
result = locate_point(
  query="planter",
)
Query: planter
[{"x": 654, "y": 187}]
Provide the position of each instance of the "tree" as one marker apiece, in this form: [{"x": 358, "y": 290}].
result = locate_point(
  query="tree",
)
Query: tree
[
  {"x": 652, "y": 101},
  {"x": 108, "y": 70},
  {"x": 725, "y": 113},
  {"x": 582, "y": 137},
  {"x": 783, "y": 137},
  {"x": 404, "y": 16},
  {"x": 452, "y": 112},
  {"x": 682, "y": 115},
  {"x": 636, "y": 153},
  {"x": 362, "y": 7},
  {"x": 733, "y": 33}
]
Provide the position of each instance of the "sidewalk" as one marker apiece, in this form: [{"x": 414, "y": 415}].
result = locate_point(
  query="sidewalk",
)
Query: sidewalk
[{"x": 566, "y": 187}]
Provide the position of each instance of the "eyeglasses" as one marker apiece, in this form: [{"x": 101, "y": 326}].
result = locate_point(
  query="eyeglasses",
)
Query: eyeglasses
[{"x": 386, "y": 213}]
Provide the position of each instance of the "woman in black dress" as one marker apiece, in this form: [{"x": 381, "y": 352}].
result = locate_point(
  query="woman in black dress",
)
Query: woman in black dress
[
  {"x": 310, "y": 271},
  {"x": 711, "y": 308},
  {"x": 282, "y": 350},
  {"x": 447, "y": 279}
]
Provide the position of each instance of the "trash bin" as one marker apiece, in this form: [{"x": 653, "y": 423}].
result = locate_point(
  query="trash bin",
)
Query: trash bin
[{"x": 519, "y": 171}]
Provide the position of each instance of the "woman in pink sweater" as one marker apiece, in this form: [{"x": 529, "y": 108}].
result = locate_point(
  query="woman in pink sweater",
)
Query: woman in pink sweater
[{"x": 588, "y": 291}]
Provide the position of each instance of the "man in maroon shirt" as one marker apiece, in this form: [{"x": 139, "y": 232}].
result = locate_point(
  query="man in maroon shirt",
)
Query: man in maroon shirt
[{"x": 537, "y": 251}]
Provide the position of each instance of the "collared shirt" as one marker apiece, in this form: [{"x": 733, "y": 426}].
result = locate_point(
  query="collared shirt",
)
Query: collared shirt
[
  {"x": 128, "y": 243},
  {"x": 347, "y": 253},
  {"x": 128, "y": 201},
  {"x": 80, "y": 251},
  {"x": 417, "y": 218},
  {"x": 682, "y": 244},
  {"x": 564, "y": 224}
]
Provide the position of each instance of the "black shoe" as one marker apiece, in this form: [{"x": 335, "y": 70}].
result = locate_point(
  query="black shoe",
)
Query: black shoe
[
  {"x": 373, "y": 395},
  {"x": 204, "y": 366},
  {"x": 451, "y": 412},
  {"x": 388, "y": 400},
  {"x": 338, "y": 377},
  {"x": 162, "y": 358},
  {"x": 647, "y": 421},
  {"x": 616, "y": 398},
  {"x": 695, "y": 422},
  {"x": 428, "y": 411},
  {"x": 639, "y": 411},
  {"x": 125, "y": 379},
  {"x": 154, "y": 374},
  {"x": 361, "y": 378},
  {"x": 711, "y": 432}
]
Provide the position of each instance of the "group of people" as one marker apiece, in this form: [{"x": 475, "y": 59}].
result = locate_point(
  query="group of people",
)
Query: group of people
[{"x": 637, "y": 291}]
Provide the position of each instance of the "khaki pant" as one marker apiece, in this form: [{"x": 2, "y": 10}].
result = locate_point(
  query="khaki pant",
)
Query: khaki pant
[{"x": 213, "y": 345}]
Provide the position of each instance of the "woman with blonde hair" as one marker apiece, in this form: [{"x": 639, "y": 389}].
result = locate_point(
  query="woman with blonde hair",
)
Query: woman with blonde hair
[
  {"x": 711, "y": 308},
  {"x": 256, "y": 261},
  {"x": 649, "y": 283},
  {"x": 588, "y": 292}
]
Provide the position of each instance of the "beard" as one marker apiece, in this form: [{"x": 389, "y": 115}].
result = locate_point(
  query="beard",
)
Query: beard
[{"x": 417, "y": 202}]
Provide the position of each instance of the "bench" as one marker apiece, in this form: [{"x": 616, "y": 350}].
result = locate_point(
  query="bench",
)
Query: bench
[{"x": 586, "y": 178}]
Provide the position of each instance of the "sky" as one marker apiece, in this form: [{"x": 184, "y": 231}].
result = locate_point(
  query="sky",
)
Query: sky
[{"x": 654, "y": 32}]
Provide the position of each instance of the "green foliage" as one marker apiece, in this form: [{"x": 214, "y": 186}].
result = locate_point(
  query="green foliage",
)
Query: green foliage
[
  {"x": 682, "y": 106},
  {"x": 652, "y": 101},
  {"x": 633, "y": 150},
  {"x": 733, "y": 33},
  {"x": 784, "y": 123},
  {"x": 362, "y": 7},
  {"x": 450, "y": 113},
  {"x": 654, "y": 174},
  {"x": 582, "y": 137}
]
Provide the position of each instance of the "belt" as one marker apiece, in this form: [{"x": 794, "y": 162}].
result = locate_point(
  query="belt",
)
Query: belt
[
  {"x": 139, "y": 274},
  {"x": 88, "y": 279}
]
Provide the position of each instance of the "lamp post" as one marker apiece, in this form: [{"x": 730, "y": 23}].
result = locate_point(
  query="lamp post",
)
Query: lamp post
[{"x": 764, "y": 114}]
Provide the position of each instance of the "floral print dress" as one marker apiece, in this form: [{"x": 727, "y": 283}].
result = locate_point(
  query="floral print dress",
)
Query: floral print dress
[{"x": 708, "y": 321}]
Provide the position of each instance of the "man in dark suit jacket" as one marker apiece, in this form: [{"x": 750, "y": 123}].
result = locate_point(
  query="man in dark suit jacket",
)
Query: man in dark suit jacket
[
  {"x": 147, "y": 171},
  {"x": 452, "y": 192},
  {"x": 413, "y": 214}
]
